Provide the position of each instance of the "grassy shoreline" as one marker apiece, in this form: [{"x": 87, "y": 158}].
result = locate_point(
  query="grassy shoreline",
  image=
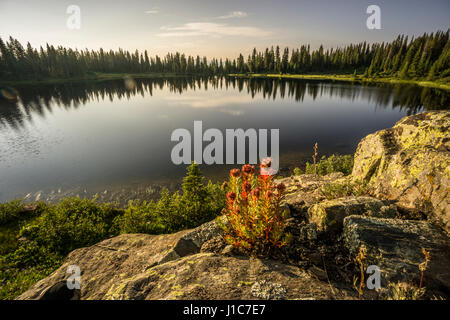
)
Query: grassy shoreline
[
  {"x": 342, "y": 77},
  {"x": 348, "y": 78}
]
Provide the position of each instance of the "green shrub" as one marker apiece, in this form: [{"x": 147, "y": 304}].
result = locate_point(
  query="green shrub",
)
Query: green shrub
[
  {"x": 334, "y": 163},
  {"x": 71, "y": 224},
  {"x": 12, "y": 211},
  {"x": 15, "y": 281},
  {"x": 196, "y": 204},
  {"x": 297, "y": 171},
  {"x": 343, "y": 189},
  {"x": 138, "y": 218}
]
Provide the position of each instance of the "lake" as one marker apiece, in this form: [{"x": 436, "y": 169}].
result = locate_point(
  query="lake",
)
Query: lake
[{"x": 112, "y": 138}]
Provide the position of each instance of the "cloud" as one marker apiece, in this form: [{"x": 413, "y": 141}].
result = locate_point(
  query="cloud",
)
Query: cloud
[
  {"x": 231, "y": 112},
  {"x": 152, "y": 11},
  {"x": 211, "y": 102},
  {"x": 212, "y": 29},
  {"x": 234, "y": 14}
]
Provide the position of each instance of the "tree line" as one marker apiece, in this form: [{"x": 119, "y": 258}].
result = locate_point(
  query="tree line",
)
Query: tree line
[{"x": 426, "y": 56}]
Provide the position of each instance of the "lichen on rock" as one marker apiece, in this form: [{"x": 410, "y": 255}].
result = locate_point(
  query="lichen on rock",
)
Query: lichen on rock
[{"x": 410, "y": 163}]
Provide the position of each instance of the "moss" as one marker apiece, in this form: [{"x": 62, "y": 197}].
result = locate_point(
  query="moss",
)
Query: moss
[
  {"x": 152, "y": 272},
  {"x": 245, "y": 283},
  {"x": 116, "y": 292},
  {"x": 177, "y": 293},
  {"x": 168, "y": 277}
]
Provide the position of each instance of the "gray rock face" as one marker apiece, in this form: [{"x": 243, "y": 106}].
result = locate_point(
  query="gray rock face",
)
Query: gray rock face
[
  {"x": 203, "y": 233},
  {"x": 410, "y": 163},
  {"x": 395, "y": 246},
  {"x": 268, "y": 290},
  {"x": 329, "y": 214},
  {"x": 303, "y": 190}
]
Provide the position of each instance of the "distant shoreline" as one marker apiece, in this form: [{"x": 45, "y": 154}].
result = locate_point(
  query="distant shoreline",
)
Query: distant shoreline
[
  {"x": 94, "y": 77},
  {"x": 347, "y": 78},
  {"x": 333, "y": 77}
]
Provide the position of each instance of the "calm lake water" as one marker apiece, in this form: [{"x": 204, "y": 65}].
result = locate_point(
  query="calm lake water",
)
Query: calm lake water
[{"x": 100, "y": 137}]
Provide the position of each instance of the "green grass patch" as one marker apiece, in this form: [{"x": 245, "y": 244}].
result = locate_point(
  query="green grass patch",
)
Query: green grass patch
[
  {"x": 343, "y": 189},
  {"x": 327, "y": 165},
  {"x": 438, "y": 84}
]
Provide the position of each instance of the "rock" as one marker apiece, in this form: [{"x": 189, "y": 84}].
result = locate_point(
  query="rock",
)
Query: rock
[
  {"x": 204, "y": 232},
  {"x": 329, "y": 214},
  {"x": 60, "y": 291},
  {"x": 216, "y": 245},
  {"x": 123, "y": 256},
  {"x": 308, "y": 232},
  {"x": 228, "y": 250},
  {"x": 410, "y": 163},
  {"x": 395, "y": 246},
  {"x": 268, "y": 290},
  {"x": 141, "y": 266},
  {"x": 319, "y": 273},
  {"x": 301, "y": 189},
  {"x": 210, "y": 276}
]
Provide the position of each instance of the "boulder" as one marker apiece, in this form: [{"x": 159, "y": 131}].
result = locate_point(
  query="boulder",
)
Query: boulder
[
  {"x": 395, "y": 246},
  {"x": 131, "y": 267},
  {"x": 123, "y": 256},
  {"x": 211, "y": 276},
  {"x": 303, "y": 191},
  {"x": 329, "y": 214},
  {"x": 410, "y": 163},
  {"x": 171, "y": 266}
]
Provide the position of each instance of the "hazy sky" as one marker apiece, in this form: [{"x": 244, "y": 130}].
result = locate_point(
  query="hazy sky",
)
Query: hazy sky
[{"x": 216, "y": 28}]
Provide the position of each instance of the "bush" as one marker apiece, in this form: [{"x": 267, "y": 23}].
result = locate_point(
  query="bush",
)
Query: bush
[
  {"x": 15, "y": 281},
  {"x": 334, "y": 163},
  {"x": 71, "y": 224},
  {"x": 138, "y": 218},
  {"x": 16, "y": 210},
  {"x": 255, "y": 220},
  {"x": 297, "y": 171},
  {"x": 197, "y": 204},
  {"x": 343, "y": 189}
]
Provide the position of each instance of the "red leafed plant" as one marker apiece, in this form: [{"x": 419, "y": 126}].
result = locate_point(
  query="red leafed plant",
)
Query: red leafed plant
[{"x": 255, "y": 219}]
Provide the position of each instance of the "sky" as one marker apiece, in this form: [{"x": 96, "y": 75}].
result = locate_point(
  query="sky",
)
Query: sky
[{"x": 215, "y": 28}]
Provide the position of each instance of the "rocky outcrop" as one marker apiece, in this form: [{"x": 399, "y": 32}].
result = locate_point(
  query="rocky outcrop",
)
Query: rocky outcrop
[
  {"x": 138, "y": 266},
  {"x": 124, "y": 256},
  {"x": 329, "y": 214},
  {"x": 304, "y": 190},
  {"x": 211, "y": 276},
  {"x": 395, "y": 246},
  {"x": 410, "y": 163}
]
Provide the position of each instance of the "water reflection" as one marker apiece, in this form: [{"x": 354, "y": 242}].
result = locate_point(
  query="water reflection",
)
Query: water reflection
[
  {"x": 112, "y": 138},
  {"x": 35, "y": 100}
]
